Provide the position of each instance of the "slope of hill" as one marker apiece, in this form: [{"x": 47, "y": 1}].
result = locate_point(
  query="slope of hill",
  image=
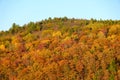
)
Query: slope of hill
[{"x": 61, "y": 49}]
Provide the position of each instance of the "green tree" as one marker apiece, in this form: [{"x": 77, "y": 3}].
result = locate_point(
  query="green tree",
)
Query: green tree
[
  {"x": 31, "y": 27},
  {"x": 14, "y": 29}
]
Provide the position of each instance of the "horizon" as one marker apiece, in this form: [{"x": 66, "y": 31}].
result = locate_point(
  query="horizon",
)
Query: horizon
[{"x": 22, "y": 12}]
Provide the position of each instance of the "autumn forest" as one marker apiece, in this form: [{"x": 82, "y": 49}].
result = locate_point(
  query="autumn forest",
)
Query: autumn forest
[{"x": 61, "y": 49}]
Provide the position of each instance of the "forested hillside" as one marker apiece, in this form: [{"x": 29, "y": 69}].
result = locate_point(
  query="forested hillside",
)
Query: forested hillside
[{"x": 61, "y": 49}]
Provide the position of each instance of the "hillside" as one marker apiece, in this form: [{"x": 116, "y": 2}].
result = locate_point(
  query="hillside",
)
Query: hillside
[{"x": 61, "y": 49}]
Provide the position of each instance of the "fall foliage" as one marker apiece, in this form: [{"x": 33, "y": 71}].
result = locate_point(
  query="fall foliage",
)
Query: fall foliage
[{"x": 61, "y": 49}]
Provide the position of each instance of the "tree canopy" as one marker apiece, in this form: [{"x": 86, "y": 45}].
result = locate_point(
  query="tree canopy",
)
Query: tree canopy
[{"x": 61, "y": 49}]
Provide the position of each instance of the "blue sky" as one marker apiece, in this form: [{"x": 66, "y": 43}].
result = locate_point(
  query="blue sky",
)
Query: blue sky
[{"x": 23, "y": 11}]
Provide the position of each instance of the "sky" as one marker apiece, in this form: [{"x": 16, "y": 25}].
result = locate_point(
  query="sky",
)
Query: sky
[{"x": 23, "y": 11}]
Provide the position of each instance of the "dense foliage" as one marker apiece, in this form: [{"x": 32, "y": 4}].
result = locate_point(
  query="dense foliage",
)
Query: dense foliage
[{"x": 61, "y": 49}]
